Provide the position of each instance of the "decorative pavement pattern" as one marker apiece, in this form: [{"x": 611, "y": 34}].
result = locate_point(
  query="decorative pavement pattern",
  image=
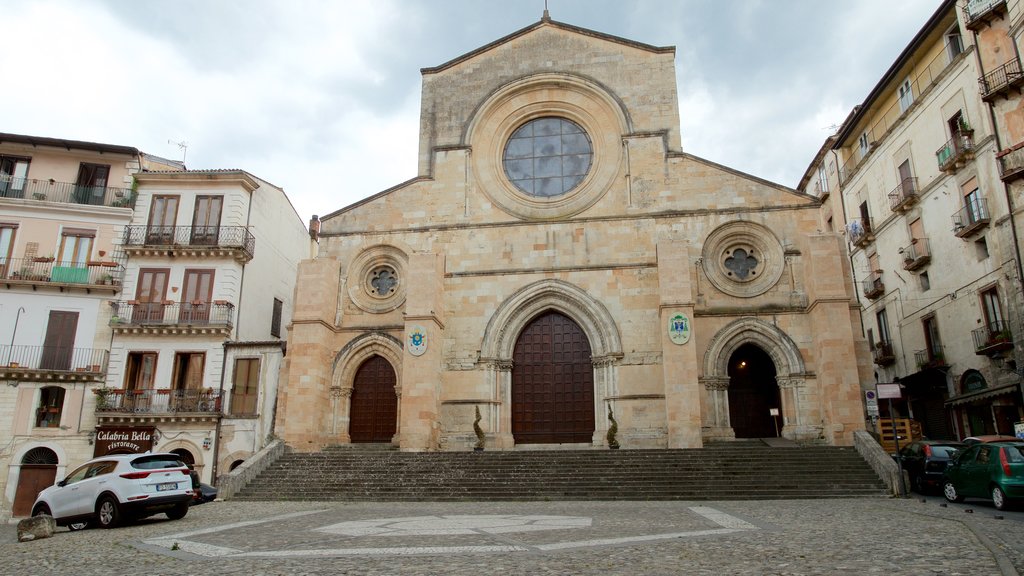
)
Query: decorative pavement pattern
[{"x": 432, "y": 526}]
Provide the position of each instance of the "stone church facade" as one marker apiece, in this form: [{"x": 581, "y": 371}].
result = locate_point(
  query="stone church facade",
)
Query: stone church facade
[{"x": 559, "y": 262}]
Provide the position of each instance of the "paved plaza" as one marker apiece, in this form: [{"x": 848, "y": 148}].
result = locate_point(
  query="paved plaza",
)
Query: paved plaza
[{"x": 850, "y": 536}]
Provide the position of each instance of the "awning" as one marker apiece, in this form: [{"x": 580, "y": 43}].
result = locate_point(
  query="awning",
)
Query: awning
[{"x": 984, "y": 394}]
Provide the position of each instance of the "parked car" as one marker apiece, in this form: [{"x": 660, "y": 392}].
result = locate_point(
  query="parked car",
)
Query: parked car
[
  {"x": 925, "y": 462},
  {"x": 201, "y": 492},
  {"x": 987, "y": 470},
  {"x": 971, "y": 440},
  {"x": 108, "y": 490}
]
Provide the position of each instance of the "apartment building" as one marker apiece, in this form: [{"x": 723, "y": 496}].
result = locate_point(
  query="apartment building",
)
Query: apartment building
[
  {"x": 914, "y": 179},
  {"x": 63, "y": 204},
  {"x": 198, "y": 330}
]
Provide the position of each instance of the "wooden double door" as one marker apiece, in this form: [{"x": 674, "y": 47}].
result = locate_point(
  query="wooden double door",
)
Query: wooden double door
[
  {"x": 552, "y": 383},
  {"x": 373, "y": 412}
]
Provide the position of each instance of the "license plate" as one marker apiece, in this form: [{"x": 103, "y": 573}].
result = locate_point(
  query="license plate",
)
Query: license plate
[{"x": 167, "y": 486}]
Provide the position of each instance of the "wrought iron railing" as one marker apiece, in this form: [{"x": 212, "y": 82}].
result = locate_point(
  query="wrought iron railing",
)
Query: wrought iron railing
[
  {"x": 904, "y": 193},
  {"x": 1000, "y": 78},
  {"x": 975, "y": 212},
  {"x": 974, "y": 9},
  {"x": 860, "y": 230},
  {"x": 954, "y": 149},
  {"x": 54, "y": 358},
  {"x": 1011, "y": 163},
  {"x": 237, "y": 237},
  {"x": 994, "y": 335},
  {"x": 930, "y": 358},
  {"x": 65, "y": 192},
  {"x": 884, "y": 121},
  {"x": 916, "y": 254},
  {"x": 45, "y": 269},
  {"x": 873, "y": 285},
  {"x": 132, "y": 313},
  {"x": 157, "y": 401},
  {"x": 883, "y": 353}
]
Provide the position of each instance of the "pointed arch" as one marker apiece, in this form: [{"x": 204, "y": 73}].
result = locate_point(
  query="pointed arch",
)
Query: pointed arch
[
  {"x": 348, "y": 360},
  {"x": 521, "y": 307},
  {"x": 780, "y": 347}
]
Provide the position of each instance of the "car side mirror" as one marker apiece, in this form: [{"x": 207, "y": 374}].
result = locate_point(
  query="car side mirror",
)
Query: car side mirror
[{"x": 63, "y": 483}]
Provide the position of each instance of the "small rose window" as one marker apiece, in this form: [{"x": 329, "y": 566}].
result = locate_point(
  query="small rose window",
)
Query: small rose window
[
  {"x": 383, "y": 281},
  {"x": 741, "y": 263}
]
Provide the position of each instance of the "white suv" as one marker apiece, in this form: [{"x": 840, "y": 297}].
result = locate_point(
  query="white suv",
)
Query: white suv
[{"x": 111, "y": 489}]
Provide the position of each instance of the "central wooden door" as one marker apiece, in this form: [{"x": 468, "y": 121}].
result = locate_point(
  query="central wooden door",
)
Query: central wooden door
[
  {"x": 552, "y": 383},
  {"x": 753, "y": 394},
  {"x": 373, "y": 413}
]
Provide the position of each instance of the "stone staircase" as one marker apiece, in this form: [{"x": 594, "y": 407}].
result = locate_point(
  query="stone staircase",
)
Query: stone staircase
[{"x": 741, "y": 470}]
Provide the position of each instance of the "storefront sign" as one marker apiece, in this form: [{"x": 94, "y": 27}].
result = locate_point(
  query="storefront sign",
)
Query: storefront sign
[
  {"x": 889, "y": 391},
  {"x": 127, "y": 440}
]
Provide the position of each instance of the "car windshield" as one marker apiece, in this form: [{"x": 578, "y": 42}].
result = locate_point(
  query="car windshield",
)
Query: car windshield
[
  {"x": 155, "y": 461},
  {"x": 1015, "y": 453}
]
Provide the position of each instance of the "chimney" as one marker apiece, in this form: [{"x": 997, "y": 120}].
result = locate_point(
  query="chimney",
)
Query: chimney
[{"x": 314, "y": 227}]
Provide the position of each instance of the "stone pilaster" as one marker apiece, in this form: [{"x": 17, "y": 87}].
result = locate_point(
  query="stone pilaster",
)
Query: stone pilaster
[
  {"x": 679, "y": 361},
  {"x": 419, "y": 403}
]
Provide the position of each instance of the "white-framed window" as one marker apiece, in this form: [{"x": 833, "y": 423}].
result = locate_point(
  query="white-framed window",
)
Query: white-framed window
[
  {"x": 954, "y": 43},
  {"x": 864, "y": 144},
  {"x": 906, "y": 95}
]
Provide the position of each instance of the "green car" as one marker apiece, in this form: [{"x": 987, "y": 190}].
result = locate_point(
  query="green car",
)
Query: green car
[{"x": 994, "y": 470}]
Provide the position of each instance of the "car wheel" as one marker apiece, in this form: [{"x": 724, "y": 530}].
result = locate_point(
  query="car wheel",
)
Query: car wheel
[
  {"x": 949, "y": 491},
  {"x": 999, "y": 498},
  {"x": 78, "y": 526},
  {"x": 108, "y": 514},
  {"x": 178, "y": 512},
  {"x": 42, "y": 510}
]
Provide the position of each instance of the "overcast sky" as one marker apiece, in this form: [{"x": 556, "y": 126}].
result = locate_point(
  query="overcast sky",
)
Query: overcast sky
[{"x": 322, "y": 97}]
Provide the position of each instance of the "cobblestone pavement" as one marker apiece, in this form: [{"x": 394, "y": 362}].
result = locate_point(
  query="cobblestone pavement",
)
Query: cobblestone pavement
[{"x": 792, "y": 537}]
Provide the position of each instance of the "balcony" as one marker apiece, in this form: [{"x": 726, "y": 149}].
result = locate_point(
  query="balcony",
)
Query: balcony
[
  {"x": 821, "y": 191},
  {"x": 992, "y": 339},
  {"x": 972, "y": 218},
  {"x": 978, "y": 13},
  {"x": 883, "y": 353},
  {"x": 860, "y": 232},
  {"x": 873, "y": 286},
  {"x": 65, "y": 192},
  {"x": 955, "y": 153},
  {"x": 213, "y": 241},
  {"x": 53, "y": 363},
  {"x": 156, "y": 405},
  {"x": 45, "y": 271},
  {"x": 1007, "y": 78},
  {"x": 930, "y": 359},
  {"x": 1011, "y": 163},
  {"x": 904, "y": 196},
  {"x": 917, "y": 255},
  {"x": 170, "y": 318}
]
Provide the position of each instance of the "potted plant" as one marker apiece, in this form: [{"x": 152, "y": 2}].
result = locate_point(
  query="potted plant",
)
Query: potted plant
[
  {"x": 102, "y": 397},
  {"x": 480, "y": 438},
  {"x": 613, "y": 430}
]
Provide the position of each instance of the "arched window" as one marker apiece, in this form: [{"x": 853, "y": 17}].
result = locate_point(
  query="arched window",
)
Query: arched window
[
  {"x": 51, "y": 405},
  {"x": 973, "y": 381}
]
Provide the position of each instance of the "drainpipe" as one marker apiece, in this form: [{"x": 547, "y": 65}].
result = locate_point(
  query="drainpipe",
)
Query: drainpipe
[{"x": 220, "y": 417}]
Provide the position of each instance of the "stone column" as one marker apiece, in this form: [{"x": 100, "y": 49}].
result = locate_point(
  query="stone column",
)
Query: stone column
[
  {"x": 680, "y": 367},
  {"x": 419, "y": 405},
  {"x": 716, "y": 409},
  {"x": 499, "y": 381}
]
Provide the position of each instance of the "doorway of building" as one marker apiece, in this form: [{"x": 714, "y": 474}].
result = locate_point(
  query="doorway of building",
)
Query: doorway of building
[
  {"x": 38, "y": 471},
  {"x": 753, "y": 394},
  {"x": 552, "y": 383},
  {"x": 374, "y": 407}
]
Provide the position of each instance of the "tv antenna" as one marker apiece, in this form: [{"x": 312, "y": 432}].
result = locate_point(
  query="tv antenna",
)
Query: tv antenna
[{"x": 183, "y": 146}]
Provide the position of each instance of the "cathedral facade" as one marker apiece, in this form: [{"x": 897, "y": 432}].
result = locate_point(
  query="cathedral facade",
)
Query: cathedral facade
[{"x": 560, "y": 268}]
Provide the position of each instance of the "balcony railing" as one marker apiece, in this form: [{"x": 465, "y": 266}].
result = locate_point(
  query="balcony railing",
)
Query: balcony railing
[
  {"x": 883, "y": 121},
  {"x": 904, "y": 195},
  {"x": 218, "y": 313},
  {"x": 977, "y": 13},
  {"x": 1011, "y": 163},
  {"x": 1001, "y": 80},
  {"x": 930, "y": 358},
  {"x": 873, "y": 286},
  {"x": 53, "y": 359},
  {"x": 917, "y": 255},
  {"x": 955, "y": 152},
  {"x": 45, "y": 270},
  {"x": 65, "y": 192},
  {"x": 157, "y": 401},
  {"x": 992, "y": 339},
  {"x": 971, "y": 218},
  {"x": 883, "y": 353},
  {"x": 820, "y": 190},
  {"x": 192, "y": 237},
  {"x": 861, "y": 233}
]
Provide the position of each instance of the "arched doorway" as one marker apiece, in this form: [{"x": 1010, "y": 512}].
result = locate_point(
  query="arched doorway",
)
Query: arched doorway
[
  {"x": 374, "y": 407},
  {"x": 753, "y": 393},
  {"x": 552, "y": 383},
  {"x": 186, "y": 457},
  {"x": 38, "y": 471}
]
